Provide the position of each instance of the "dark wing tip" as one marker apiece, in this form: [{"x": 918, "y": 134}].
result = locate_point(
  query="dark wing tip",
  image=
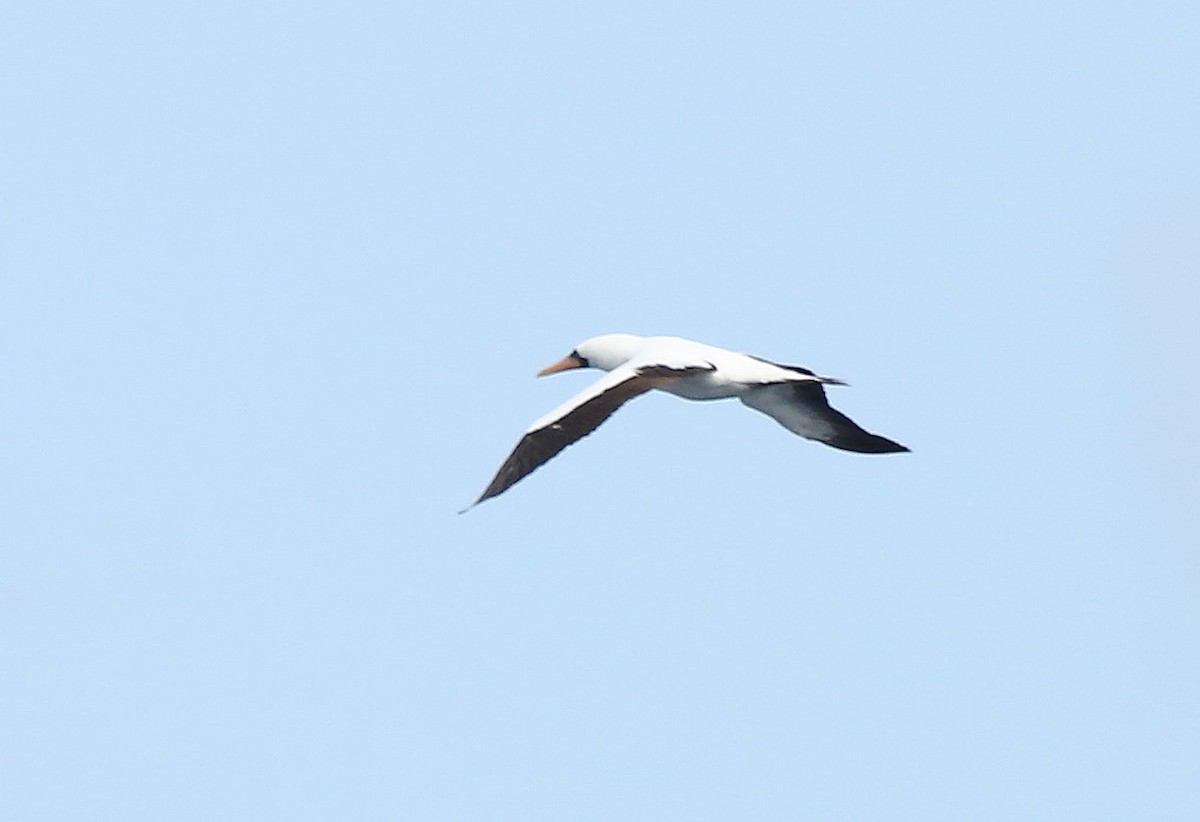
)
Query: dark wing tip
[
  {"x": 887, "y": 446},
  {"x": 864, "y": 442}
]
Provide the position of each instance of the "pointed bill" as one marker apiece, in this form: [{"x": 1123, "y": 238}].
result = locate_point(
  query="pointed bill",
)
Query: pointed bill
[{"x": 568, "y": 362}]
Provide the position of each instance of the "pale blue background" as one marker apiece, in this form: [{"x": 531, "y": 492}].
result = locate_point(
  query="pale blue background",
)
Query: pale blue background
[{"x": 276, "y": 279}]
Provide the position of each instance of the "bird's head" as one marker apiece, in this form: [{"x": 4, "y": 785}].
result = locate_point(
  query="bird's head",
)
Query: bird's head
[{"x": 606, "y": 352}]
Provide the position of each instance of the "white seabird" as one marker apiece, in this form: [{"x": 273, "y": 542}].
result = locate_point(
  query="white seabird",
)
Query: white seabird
[{"x": 792, "y": 395}]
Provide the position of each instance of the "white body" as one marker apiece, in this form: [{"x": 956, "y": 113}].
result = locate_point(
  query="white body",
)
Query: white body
[
  {"x": 732, "y": 376},
  {"x": 728, "y": 374}
]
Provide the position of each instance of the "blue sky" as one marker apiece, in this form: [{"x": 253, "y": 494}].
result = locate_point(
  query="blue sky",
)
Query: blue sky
[{"x": 278, "y": 277}]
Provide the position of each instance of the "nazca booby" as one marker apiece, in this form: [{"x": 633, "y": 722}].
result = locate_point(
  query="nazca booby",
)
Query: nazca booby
[{"x": 792, "y": 395}]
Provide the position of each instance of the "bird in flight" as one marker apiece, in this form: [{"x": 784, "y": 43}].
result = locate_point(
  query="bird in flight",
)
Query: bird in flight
[{"x": 792, "y": 395}]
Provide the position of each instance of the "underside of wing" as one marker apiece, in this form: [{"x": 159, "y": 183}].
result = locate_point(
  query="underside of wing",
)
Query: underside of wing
[
  {"x": 802, "y": 408},
  {"x": 578, "y": 417}
]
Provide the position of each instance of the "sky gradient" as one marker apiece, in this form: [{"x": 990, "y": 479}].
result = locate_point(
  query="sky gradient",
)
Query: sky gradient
[{"x": 279, "y": 275}]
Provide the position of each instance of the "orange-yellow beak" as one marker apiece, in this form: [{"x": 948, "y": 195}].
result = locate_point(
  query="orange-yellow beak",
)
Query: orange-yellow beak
[{"x": 565, "y": 364}]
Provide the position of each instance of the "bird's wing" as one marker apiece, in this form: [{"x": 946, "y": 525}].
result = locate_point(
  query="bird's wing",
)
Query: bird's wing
[
  {"x": 580, "y": 416},
  {"x": 801, "y": 407}
]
